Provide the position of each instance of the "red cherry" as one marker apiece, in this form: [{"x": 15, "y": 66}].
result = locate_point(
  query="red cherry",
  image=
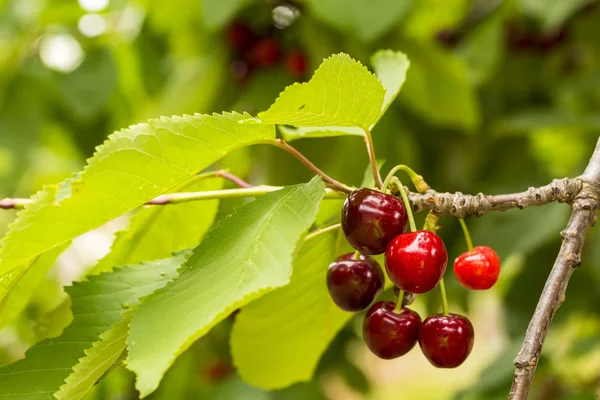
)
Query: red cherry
[
  {"x": 218, "y": 370},
  {"x": 389, "y": 334},
  {"x": 266, "y": 52},
  {"x": 479, "y": 269},
  {"x": 370, "y": 219},
  {"x": 416, "y": 261},
  {"x": 446, "y": 341},
  {"x": 354, "y": 284},
  {"x": 240, "y": 37},
  {"x": 296, "y": 64}
]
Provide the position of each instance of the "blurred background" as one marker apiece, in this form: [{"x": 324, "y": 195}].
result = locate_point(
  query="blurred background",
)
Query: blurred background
[{"x": 500, "y": 95}]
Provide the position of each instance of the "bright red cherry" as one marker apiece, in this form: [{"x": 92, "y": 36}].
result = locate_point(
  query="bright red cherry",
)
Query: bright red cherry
[
  {"x": 479, "y": 269},
  {"x": 296, "y": 64},
  {"x": 370, "y": 219},
  {"x": 266, "y": 52},
  {"x": 390, "y": 334},
  {"x": 354, "y": 284},
  {"x": 446, "y": 341},
  {"x": 416, "y": 261}
]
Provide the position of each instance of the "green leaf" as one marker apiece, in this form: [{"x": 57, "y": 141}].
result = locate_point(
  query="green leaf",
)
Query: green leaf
[
  {"x": 132, "y": 167},
  {"x": 150, "y": 234},
  {"x": 551, "y": 13},
  {"x": 390, "y": 68},
  {"x": 98, "y": 304},
  {"x": 216, "y": 14},
  {"x": 246, "y": 255},
  {"x": 360, "y": 18},
  {"x": 17, "y": 288},
  {"x": 483, "y": 48},
  {"x": 273, "y": 350},
  {"x": 342, "y": 92},
  {"x": 98, "y": 359},
  {"x": 438, "y": 87}
]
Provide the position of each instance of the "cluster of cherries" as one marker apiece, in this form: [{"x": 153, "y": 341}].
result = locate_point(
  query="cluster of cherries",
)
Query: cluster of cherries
[
  {"x": 254, "y": 51},
  {"x": 375, "y": 223}
]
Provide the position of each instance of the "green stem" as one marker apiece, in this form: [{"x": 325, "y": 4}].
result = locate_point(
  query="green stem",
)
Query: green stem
[
  {"x": 467, "y": 234},
  {"x": 411, "y": 218},
  {"x": 444, "y": 299},
  {"x": 320, "y": 231},
  {"x": 175, "y": 198},
  {"x": 372, "y": 158},
  {"x": 399, "y": 301},
  {"x": 356, "y": 255},
  {"x": 417, "y": 179}
]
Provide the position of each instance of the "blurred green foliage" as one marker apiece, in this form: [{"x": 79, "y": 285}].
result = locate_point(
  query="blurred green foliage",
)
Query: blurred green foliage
[{"x": 500, "y": 95}]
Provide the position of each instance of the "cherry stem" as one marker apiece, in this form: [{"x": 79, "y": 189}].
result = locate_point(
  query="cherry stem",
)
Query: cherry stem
[
  {"x": 356, "y": 255},
  {"x": 399, "y": 302},
  {"x": 467, "y": 234},
  {"x": 320, "y": 231},
  {"x": 372, "y": 158},
  {"x": 230, "y": 177},
  {"x": 411, "y": 218},
  {"x": 329, "y": 181},
  {"x": 416, "y": 179},
  {"x": 444, "y": 299}
]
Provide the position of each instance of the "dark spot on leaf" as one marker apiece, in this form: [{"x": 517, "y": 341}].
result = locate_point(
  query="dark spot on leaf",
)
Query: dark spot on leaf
[{"x": 301, "y": 107}]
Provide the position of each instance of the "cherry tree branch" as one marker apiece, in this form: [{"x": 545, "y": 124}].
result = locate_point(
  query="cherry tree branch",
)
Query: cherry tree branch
[
  {"x": 584, "y": 212},
  {"x": 464, "y": 205}
]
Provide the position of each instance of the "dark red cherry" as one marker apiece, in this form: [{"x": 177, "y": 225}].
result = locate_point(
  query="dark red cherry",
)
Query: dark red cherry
[
  {"x": 446, "y": 341},
  {"x": 416, "y": 261},
  {"x": 390, "y": 334},
  {"x": 265, "y": 53},
  {"x": 479, "y": 269},
  {"x": 370, "y": 219},
  {"x": 240, "y": 37},
  {"x": 354, "y": 284},
  {"x": 296, "y": 64}
]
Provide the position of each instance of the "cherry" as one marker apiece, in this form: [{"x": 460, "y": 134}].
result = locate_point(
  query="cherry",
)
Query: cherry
[
  {"x": 416, "y": 261},
  {"x": 265, "y": 52},
  {"x": 390, "y": 334},
  {"x": 479, "y": 269},
  {"x": 370, "y": 219},
  {"x": 240, "y": 37},
  {"x": 354, "y": 284},
  {"x": 296, "y": 64},
  {"x": 446, "y": 341}
]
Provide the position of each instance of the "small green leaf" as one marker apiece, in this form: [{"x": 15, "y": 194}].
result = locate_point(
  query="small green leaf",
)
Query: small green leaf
[
  {"x": 216, "y": 14},
  {"x": 390, "y": 68},
  {"x": 18, "y": 287},
  {"x": 132, "y": 167},
  {"x": 98, "y": 359},
  {"x": 151, "y": 234},
  {"x": 246, "y": 255},
  {"x": 342, "y": 92},
  {"x": 359, "y": 17},
  {"x": 438, "y": 87},
  {"x": 278, "y": 339},
  {"x": 97, "y": 306}
]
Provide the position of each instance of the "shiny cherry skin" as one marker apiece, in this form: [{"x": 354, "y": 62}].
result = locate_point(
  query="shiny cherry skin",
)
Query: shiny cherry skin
[
  {"x": 370, "y": 219},
  {"x": 446, "y": 341},
  {"x": 354, "y": 284},
  {"x": 479, "y": 269},
  {"x": 390, "y": 334},
  {"x": 416, "y": 261}
]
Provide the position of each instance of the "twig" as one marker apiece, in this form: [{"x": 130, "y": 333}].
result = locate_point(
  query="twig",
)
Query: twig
[
  {"x": 373, "y": 158},
  {"x": 583, "y": 216},
  {"x": 230, "y": 177},
  {"x": 463, "y": 205},
  {"x": 329, "y": 181},
  {"x": 455, "y": 204}
]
